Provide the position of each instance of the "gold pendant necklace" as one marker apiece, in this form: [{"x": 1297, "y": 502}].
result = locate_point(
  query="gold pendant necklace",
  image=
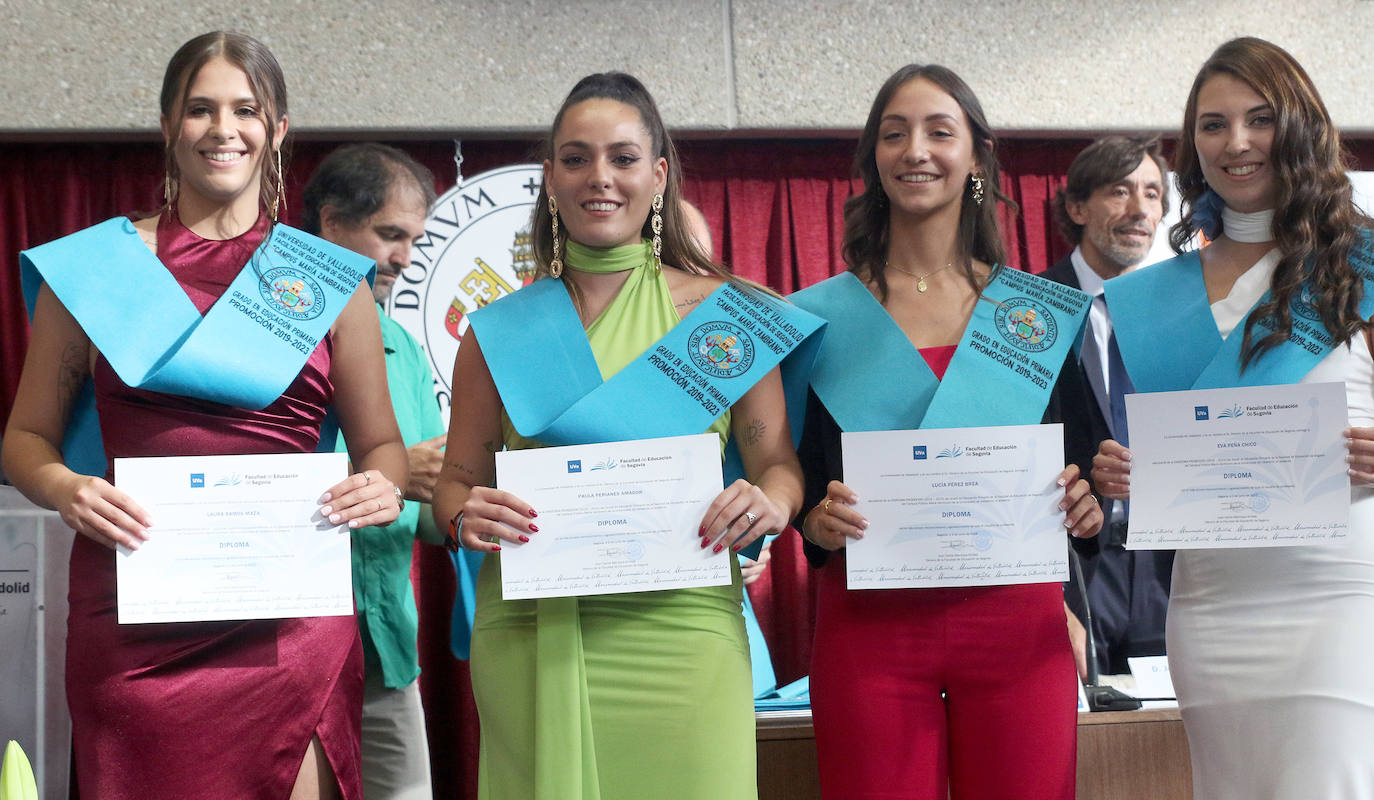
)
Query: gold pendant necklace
[{"x": 920, "y": 279}]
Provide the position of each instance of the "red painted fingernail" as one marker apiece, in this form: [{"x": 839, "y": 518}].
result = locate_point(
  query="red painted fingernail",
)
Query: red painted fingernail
[
  {"x": 534, "y": 528},
  {"x": 737, "y": 548},
  {"x": 532, "y": 513},
  {"x": 496, "y": 549},
  {"x": 524, "y": 538},
  {"x": 718, "y": 548},
  {"x": 701, "y": 531},
  {"x": 705, "y": 542}
]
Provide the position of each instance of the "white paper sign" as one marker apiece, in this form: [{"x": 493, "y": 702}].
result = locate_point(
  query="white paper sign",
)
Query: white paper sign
[
  {"x": 234, "y": 537},
  {"x": 957, "y": 507},
  {"x": 1259, "y": 466},
  {"x": 618, "y": 517}
]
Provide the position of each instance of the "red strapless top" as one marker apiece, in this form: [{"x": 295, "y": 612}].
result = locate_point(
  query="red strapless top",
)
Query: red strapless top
[{"x": 938, "y": 358}]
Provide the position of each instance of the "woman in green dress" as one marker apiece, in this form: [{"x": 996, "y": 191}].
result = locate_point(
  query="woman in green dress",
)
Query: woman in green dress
[{"x": 634, "y": 695}]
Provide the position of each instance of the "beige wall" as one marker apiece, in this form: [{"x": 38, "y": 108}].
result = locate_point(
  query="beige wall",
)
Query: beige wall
[{"x": 440, "y": 67}]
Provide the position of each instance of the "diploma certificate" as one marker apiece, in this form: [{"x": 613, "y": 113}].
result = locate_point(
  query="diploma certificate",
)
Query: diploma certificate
[
  {"x": 1260, "y": 466},
  {"x": 618, "y": 517},
  {"x": 234, "y": 537},
  {"x": 957, "y": 507}
]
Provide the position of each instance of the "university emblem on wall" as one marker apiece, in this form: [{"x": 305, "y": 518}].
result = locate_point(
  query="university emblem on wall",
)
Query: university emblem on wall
[
  {"x": 476, "y": 249},
  {"x": 1027, "y": 324}
]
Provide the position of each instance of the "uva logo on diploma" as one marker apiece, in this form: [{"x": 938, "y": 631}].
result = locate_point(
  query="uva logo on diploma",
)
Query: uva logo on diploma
[
  {"x": 721, "y": 349},
  {"x": 197, "y": 480},
  {"x": 292, "y": 293},
  {"x": 1027, "y": 324},
  {"x": 574, "y": 466},
  {"x": 1200, "y": 413},
  {"x": 918, "y": 452}
]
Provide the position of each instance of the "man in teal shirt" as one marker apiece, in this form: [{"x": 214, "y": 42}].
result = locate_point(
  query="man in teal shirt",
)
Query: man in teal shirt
[{"x": 373, "y": 199}]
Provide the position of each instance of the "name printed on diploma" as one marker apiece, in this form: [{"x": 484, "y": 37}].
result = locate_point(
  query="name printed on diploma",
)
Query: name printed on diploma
[
  {"x": 234, "y": 537},
  {"x": 617, "y": 517},
  {"x": 956, "y": 507},
  {"x": 1260, "y": 466}
]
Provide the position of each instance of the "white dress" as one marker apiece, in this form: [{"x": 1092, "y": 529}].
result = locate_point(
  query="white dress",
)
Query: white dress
[{"x": 1272, "y": 649}]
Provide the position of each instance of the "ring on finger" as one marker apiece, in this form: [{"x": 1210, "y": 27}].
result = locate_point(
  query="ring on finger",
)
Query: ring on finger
[
  {"x": 367, "y": 477},
  {"x": 752, "y": 517},
  {"x": 826, "y": 505}
]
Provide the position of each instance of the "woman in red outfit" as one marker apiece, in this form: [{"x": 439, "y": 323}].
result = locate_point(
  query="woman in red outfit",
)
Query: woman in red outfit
[
  {"x": 257, "y": 708},
  {"x": 966, "y": 692}
]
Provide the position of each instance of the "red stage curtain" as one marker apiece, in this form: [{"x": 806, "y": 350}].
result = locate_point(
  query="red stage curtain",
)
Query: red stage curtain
[{"x": 775, "y": 208}]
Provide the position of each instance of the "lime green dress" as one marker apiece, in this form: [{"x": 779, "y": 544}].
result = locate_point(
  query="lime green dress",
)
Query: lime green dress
[{"x": 615, "y": 697}]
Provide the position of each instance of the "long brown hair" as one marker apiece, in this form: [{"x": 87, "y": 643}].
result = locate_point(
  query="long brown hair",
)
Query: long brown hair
[
  {"x": 680, "y": 248},
  {"x": 866, "y": 214},
  {"x": 1316, "y": 224},
  {"x": 264, "y": 76}
]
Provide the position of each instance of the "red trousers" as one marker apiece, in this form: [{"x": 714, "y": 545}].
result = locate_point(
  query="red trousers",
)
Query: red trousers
[{"x": 929, "y": 694}]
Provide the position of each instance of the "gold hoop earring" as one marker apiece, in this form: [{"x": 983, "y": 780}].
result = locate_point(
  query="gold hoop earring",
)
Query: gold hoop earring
[
  {"x": 656, "y": 225},
  {"x": 977, "y": 188},
  {"x": 279, "y": 199},
  {"x": 556, "y": 265}
]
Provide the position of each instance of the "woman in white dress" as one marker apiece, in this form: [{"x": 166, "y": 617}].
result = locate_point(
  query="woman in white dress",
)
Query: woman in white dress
[{"x": 1271, "y": 648}]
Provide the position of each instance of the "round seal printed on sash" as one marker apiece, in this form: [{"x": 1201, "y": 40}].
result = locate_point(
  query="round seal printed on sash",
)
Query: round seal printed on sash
[
  {"x": 475, "y": 249},
  {"x": 721, "y": 349},
  {"x": 292, "y": 293},
  {"x": 1027, "y": 324},
  {"x": 1305, "y": 304}
]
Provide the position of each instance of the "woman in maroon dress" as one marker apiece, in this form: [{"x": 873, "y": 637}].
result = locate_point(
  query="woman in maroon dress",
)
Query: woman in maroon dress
[{"x": 259, "y": 708}]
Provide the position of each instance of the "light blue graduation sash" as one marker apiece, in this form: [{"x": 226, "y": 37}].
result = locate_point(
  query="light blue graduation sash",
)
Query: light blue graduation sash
[
  {"x": 543, "y": 367},
  {"x": 870, "y": 378},
  {"x": 244, "y": 352},
  {"x": 1169, "y": 339}
]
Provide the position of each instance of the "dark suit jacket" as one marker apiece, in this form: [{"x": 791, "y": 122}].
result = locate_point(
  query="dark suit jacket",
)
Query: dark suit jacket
[
  {"x": 1072, "y": 402},
  {"x": 1084, "y": 425}
]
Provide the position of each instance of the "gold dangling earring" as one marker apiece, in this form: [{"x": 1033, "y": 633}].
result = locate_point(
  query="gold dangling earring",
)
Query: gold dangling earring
[
  {"x": 977, "y": 188},
  {"x": 167, "y": 196},
  {"x": 556, "y": 265},
  {"x": 656, "y": 225},
  {"x": 279, "y": 200}
]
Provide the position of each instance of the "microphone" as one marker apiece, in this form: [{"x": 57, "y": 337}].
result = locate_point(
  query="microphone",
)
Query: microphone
[{"x": 1100, "y": 698}]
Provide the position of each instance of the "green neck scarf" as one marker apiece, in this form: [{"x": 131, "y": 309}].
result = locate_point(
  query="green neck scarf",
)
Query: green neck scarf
[{"x": 612, "y": 259}]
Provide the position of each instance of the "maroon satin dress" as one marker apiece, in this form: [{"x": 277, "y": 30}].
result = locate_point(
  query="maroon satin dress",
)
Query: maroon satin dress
[{"x": 205, "y": 709}]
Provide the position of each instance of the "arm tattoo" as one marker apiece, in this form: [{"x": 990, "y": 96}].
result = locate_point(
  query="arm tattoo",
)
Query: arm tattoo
[
  {"x": 685, "y": 304},
  {"x": 71, "y": 376},
  {"x": 753, "y": 433}
]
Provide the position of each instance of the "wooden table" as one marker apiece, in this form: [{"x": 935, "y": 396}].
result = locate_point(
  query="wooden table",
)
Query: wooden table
[{"x": 1122, "y": 755}]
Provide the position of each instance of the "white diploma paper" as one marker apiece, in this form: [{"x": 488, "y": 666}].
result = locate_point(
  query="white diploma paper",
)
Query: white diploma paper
[
  {"x": 234, "y": 537},
  {"x": 957, "y": 507},
  {"x": 618, "y": 517},
  {"x": 1259, "y": 466}
]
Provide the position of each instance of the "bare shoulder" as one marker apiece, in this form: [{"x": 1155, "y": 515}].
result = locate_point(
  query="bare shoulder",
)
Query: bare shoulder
[
  {"x": 688, "y": 290},
  {"x": 147, "y": 231}
]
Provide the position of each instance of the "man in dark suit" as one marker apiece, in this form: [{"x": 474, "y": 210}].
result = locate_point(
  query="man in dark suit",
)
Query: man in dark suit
[{"x": 1113, "y": 201}]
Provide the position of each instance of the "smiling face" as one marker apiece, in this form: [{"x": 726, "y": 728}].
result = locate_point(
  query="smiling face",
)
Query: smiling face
[
  {"x": 219, "y": 139},
  {"x": 386, "y": 236},
  {"x": 1233, "y": 134},
  {"x": 924, "y": 151},
  {"x": 604, "y": 173},
  {"x": 1119, "y": 219}
]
